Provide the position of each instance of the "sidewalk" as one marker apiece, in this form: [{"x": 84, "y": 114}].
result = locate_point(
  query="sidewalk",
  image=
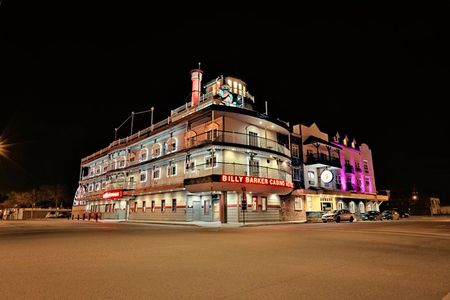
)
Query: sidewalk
[{"x": 213, "y": 224}]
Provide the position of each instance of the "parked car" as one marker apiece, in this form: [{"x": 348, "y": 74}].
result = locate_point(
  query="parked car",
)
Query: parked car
[
  {"x": 338, "y": 216},
  {"x": 372, "y": 215},
  {"x": 390, "y": 214}
]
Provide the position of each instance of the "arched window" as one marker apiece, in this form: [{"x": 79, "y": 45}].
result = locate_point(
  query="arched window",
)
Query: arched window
[
  {"x": 212, "y": 131},
  {"x": 191, "y": 138},
  {"x": 352, "y": 207},
  {"x": 171, "y": 145},
  {"x": 143, "y": 154},
  {"x": 361, "y": 207},
  {"x": 143, "y": 176},
  {"x": 122, "y": 162},
  {"x": 340, "y": 205},
  {"x": 156, "y": 150}
]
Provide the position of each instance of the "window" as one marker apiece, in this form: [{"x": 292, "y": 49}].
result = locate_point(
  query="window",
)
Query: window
[
  {"x": 206, "y": 206},
  {"x": 298, "y": 203},
  {"x": 210, "y": 161},
  {"x": 143, "y": 206},
  {"x": 367, "y": 183},
  {"x": 253, "y": 167},
  {"x": 309, "y": 205},
  {"x": 135, "y": 207},
  {"x": 264, "y": 203},
  {"x": 153, "y": 206},
  {"x": 122, "y": 163},
  {"x": 103, "y": 185},
  {"x": 174, "y": 205},
  {"x": 309, "y": 152},
  {"x": 105, "y": 168},
  {"x": 366, "y": 166},
  {"x": 171, "y": 145},
  {"x": 253, "y": 138},
  {"x": 97, "y": 170},
  {"x": 211, "y": 134},
  {"x": 143, "y": 176},
  {"x": 340, "y": 205},
  {"x": 254, "y": 203},
  {"x": 352, "y": 207},
  {"x": 311, "y": 175},
  {"x": 294, "y": 149},
  {"x": 156, "y": 150},
  {"x": 171, "y": 169},
  {"x": 190, "y": 164},
  {"x": 296, "y": 173},
  {"x": 97, "y": 186},
  {"x": 156, "y": 173},
  {"x": 163, "y": 205},
  {"x": 191, "y": 138},
  {"x": 143, "y": 154},
  {"x": 91, "y": 187}
]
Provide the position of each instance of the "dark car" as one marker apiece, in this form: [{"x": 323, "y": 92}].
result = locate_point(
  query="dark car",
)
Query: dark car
[
  {"x": 390, "y": 214},
  {"x": 372, "y": 215},
  {"x": 403, "y": 214}
]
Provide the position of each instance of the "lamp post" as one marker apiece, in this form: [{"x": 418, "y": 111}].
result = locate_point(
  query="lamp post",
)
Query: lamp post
[{"x": 151, "y": 118}]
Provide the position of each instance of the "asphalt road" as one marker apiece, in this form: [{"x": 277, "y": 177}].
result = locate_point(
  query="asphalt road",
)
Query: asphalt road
[{"x": 63, "y": 259}]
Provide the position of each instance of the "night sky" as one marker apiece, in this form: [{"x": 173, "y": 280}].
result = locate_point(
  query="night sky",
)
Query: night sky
[{"x": 71, "y": 73}]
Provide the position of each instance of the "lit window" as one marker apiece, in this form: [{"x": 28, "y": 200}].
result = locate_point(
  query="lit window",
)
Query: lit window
[
  {"x": 171, "y": 145},
  {"x": 156, "y": 150},
  {"x": 235, "y": 89},
  {"x": 254, "y": 203},
  {"x": 298, "y": 203},
  {"x": 143, "y": 155},
  {"x": 295, "y": 150},
  {"x": 229, "y": 83},
  {"x": 366, "y": 166},
  {"x": 264, "y": 203}
]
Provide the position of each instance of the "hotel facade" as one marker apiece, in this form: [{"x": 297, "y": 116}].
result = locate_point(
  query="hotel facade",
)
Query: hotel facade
[{"x": 216, "y": 159}]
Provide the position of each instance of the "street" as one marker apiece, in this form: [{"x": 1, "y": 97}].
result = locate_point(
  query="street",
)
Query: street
[{"x": 54, "y": 259}]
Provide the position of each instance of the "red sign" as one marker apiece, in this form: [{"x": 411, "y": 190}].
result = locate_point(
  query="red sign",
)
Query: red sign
[
  {"x": 114, "y": 194},
  {"x": 256, "y": 180}
]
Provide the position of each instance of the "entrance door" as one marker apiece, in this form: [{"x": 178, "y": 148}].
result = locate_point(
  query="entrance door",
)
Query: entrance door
[{"x": 197, "y": 210}]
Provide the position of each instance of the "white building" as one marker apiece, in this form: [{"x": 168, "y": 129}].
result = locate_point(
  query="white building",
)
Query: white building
[{"x": 196, "y": 165}]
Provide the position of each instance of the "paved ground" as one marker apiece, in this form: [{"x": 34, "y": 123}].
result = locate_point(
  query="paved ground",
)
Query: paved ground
[{"x": 81, "y": 260}]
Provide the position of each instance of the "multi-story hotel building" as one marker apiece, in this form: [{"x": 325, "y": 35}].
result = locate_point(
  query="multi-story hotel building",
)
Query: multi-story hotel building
[
  {"x": 196, "y": 165},
  {"x": 337, "y": 173}
]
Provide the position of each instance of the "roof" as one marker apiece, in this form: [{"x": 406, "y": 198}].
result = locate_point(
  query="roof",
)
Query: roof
[{"x": 314, "y": 139}]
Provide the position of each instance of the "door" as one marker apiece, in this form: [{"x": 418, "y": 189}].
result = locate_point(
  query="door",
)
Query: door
[{"x": 197, "y": 210}]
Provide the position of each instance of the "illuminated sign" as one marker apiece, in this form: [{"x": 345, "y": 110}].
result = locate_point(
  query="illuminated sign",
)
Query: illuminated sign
[
  {"x": 256, "y": 180},
  {"x": 115, "y": 194},
  {"x": 326, "y": 176}
]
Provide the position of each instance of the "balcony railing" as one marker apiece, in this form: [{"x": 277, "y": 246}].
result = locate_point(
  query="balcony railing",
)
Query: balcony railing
[
  {"x": 204, "y": 139},
  {"x": 321, "y": 158},
  {"x": 237, "y": 169}
]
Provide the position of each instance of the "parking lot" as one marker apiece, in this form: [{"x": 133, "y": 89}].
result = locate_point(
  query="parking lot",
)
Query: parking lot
[{"x": 406, "y": 259}]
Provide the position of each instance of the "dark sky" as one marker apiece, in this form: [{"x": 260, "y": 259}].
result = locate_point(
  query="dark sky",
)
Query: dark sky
[{"x": 72, "y": 72}]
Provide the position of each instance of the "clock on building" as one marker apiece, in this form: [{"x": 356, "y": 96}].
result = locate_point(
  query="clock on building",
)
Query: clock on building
[{"x": 326, "y": 176}]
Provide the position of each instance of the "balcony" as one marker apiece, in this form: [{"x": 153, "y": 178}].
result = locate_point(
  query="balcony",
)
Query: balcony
[
  {"x": 237, "y": 169},
  {"x": 120, "y": 185},
  {"x": 322, "y": 159},
  {"x": 349, "y": 169}
]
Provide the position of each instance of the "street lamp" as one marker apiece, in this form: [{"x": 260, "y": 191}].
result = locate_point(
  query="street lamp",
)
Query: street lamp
[{"x": 4, "y": 147}]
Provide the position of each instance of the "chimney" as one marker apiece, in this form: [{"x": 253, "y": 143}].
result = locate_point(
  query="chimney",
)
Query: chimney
[{"x": 196, "y": 77}]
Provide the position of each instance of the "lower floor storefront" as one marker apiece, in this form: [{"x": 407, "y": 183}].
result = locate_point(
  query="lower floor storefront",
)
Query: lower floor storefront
[{"x": 185, "y": 206}]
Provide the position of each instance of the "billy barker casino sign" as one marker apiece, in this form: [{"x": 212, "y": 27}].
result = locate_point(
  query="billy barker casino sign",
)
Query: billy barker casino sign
[{"x": 256, "y": 180}]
